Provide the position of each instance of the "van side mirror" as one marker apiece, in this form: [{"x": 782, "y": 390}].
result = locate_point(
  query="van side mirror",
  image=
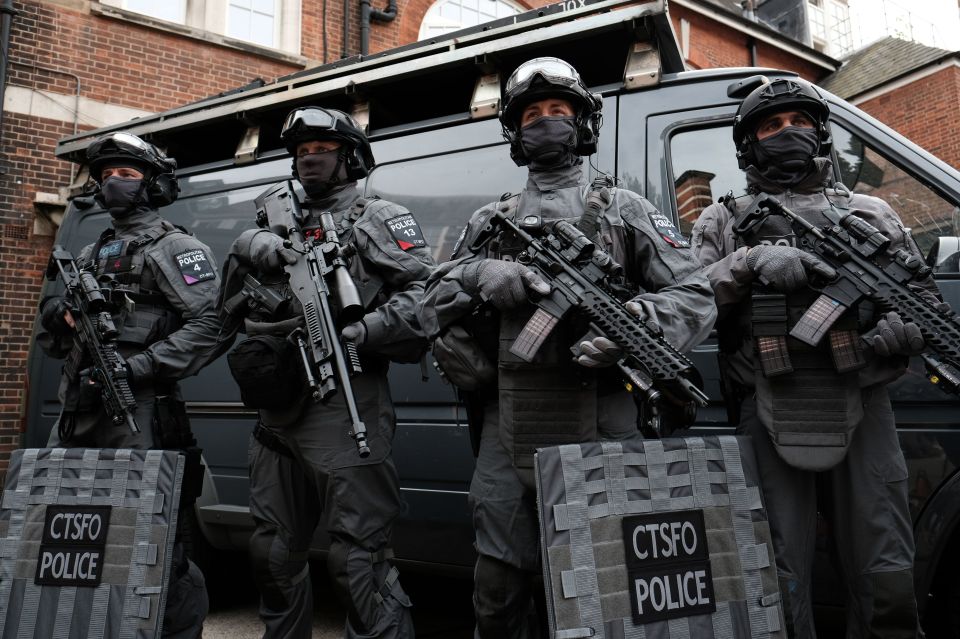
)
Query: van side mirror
[{"x": 944, "y": 255}]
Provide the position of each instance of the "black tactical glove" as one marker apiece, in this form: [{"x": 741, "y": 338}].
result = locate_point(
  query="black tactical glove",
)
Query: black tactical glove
[
  {"x": 893, "y": 336},
  {"x": 504, "y": 284},
  {"x": 786, "y": 268},
  {"x": 601, "y": 352},
  {"x": 53, "y": 316},
  {"x": 268, "y": 254}
]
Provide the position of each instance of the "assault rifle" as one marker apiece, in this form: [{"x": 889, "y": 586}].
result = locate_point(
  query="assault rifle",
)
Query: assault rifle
[
  {"x": 97, "y": 337},
  {"x": 868, "y": 267},
  {"x": 321, "y": 282},
  {"x": 579, "y": 272}
]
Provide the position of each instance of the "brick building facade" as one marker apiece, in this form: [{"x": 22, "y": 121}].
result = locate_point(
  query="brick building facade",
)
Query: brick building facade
[{"x": 81, "y": 64}]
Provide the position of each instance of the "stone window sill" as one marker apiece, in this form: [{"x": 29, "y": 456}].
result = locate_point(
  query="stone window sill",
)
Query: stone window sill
[{"x": 116, "y": 13}]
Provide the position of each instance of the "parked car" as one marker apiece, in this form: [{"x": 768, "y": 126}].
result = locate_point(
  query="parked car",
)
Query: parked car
[{"x": 431, "y": 109}]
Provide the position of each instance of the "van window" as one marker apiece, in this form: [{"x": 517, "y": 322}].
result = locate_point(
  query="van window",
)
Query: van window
[
  {"x": 865, "y": 171},
  {"x": 704, "y": 164},
  {"x": 443, "y": 191}
]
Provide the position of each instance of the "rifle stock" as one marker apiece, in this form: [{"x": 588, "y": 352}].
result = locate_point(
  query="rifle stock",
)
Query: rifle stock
[{"x": 326, "y": 292}]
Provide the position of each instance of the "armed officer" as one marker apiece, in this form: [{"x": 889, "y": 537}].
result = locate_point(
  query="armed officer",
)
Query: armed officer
[
  {"x": 162, "y": 283},
  {"x": 304, "y": 466},
  {"x": 815, "y": 413},
  {"x": 476, "y": 305}
]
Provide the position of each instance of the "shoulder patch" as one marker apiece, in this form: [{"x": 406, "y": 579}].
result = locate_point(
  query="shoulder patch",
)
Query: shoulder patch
[
  {"x": 406, "y": 232},
  {"x": 665, "y": 228},
  {"x": 194, "y": 266}
]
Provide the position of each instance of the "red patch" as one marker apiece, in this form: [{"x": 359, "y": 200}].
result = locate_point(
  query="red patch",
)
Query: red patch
[{"x": 406, "y": 246}]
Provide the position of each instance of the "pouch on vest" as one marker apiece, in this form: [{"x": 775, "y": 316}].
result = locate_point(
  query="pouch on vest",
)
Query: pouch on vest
[
  {"x": 544, "y": 403},
  {"x": 268, "y": 372},
  {"x": 462, "y": 361},
  {"x": 812, "y": 413}
]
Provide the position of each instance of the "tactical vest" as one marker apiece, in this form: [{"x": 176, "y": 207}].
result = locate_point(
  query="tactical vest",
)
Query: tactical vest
[
  {"x": 86, "y": 542},
  {"x": 551, "y": 400},
  {"x": 143, "y": 315},
  {"x": 657, "y": 538},
  {"x": 807, "y": 397}
]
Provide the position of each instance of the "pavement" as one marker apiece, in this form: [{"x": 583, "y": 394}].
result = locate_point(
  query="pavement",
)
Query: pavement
[{"x": 441, "y": 604}]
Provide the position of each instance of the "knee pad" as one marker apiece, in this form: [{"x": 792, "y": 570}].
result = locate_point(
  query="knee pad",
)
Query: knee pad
[
  {"x": 369, "y": 587},
  {"x": 276, "y": 568}
]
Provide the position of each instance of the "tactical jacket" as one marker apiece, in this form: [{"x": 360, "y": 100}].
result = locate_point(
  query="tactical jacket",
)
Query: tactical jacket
[
  {"x": 389, "y": 261},
  {"x": 388, "y": 270},
  {"x": 656, "y": 259},
  {"x": 724, "y": 259},
  {"x": 165, "y": 283}
]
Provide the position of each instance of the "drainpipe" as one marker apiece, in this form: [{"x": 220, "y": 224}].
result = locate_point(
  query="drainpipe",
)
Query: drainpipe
[
  {"x": 7, "y": 13},
  {"x": 367, "y": 13},
  {"x": 345, "y": 50}
]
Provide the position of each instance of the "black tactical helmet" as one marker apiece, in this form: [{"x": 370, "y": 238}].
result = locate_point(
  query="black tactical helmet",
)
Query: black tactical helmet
[
  {"x": 542, "y": 78},
  {"x": 308, "y": 124},
  {"x": 774, "y": 97},
  {"x": 124, "y": 149}
]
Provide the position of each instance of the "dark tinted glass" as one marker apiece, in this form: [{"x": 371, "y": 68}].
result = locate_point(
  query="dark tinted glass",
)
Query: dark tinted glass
[
  {"x": 443, "y": 192},
  {"x": 704, "y": 164},
  {"x": 865, "y": 171}
]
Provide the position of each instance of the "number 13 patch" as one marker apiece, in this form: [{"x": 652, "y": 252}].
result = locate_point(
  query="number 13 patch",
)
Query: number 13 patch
[
  {"x": 406, "y": 232},
  {"x": 194, "y": 266}
]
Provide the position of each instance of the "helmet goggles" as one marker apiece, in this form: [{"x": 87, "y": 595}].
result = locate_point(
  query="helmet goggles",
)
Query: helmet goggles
[
  {"x": 315, "y": 121},
  {"x": 116, "y": 147},
  {"x": 552, "y": 70}
]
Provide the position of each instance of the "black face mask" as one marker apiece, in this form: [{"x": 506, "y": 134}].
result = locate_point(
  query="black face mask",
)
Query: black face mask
[
  {"x": 788, "y": 154},
  {"x": 550, "y": 142},
  {"x": 320, "y": 172},
  {"x": 121, "y": 196}
]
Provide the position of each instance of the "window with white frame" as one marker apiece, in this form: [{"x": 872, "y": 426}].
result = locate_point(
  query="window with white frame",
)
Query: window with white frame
[
  {"x": 830, "y": 28},
  {"x": 268, "y": 23},
  {"x": 169, "y": 10},
  {"x": 253, "y": 20},
  {"x": 445, "y": 16}
]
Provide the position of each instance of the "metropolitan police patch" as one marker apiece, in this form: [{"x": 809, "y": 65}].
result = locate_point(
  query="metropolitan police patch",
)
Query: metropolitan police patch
[
  {"x": 111, "y": 249},
  {"x": 664, "y": 226},
  {"x": 406, "y": 232},
  {"x": 194, "y": 266}
]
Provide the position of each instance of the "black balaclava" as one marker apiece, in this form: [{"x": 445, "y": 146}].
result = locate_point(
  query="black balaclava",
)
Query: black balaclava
[
  {"x": 320, "y": 172},
  {"x": 551, "y": 143},
  {"x": 122, "y": 196},
  {"x": 786, "y": 157}
]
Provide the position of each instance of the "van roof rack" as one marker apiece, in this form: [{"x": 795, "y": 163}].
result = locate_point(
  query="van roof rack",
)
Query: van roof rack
[{"x": 448, "y": 80}]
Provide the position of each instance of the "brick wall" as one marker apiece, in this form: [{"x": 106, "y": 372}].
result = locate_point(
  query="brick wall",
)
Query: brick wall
[
  {"x": 925, "y": 111},
  {"x": 714, "y": 45}
]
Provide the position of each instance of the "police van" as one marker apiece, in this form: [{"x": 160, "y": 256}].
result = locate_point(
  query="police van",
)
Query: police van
[{"x": 430, "y": 109}]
